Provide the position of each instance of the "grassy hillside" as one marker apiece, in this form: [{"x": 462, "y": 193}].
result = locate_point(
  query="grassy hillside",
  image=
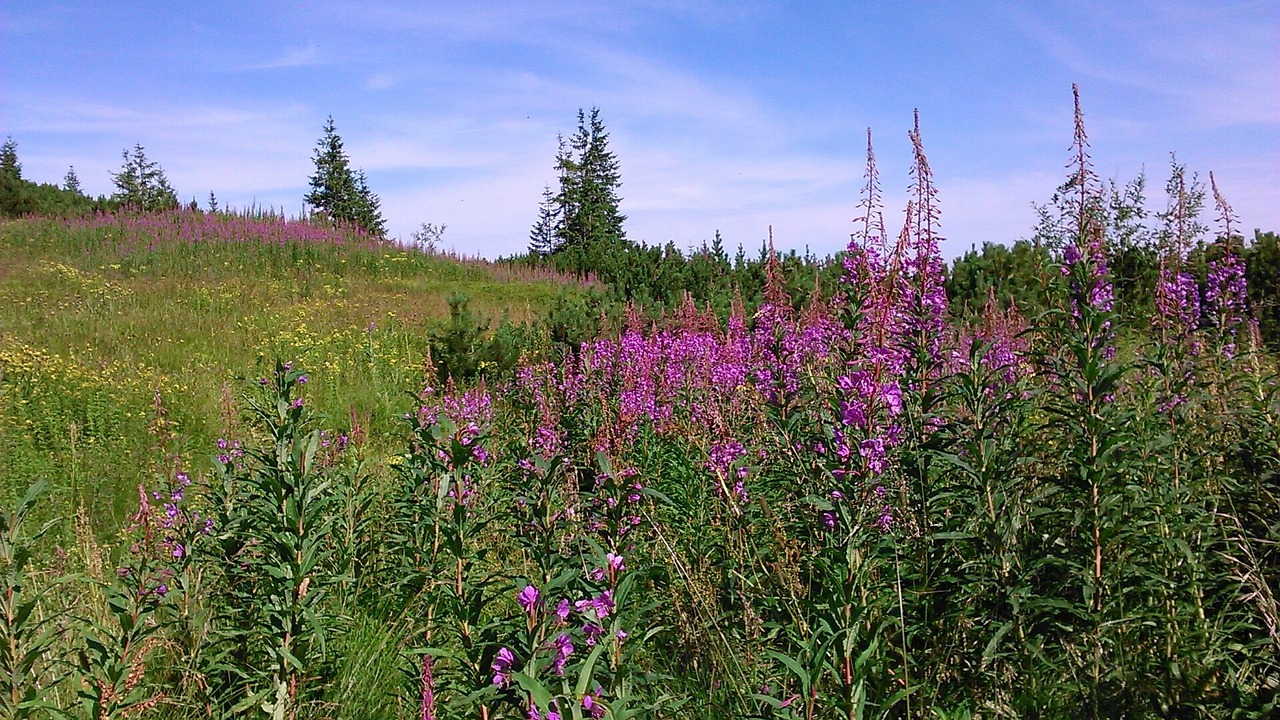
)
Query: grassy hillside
[{"x": 109, "y": 323}]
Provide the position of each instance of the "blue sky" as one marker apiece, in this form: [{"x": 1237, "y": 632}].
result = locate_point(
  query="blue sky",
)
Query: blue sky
[{"x": 724, "y": 115}]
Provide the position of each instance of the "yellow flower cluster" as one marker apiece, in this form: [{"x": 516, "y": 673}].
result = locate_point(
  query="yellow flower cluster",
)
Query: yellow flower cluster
[
  {"x": 22, "y": 363},
  {"x": 43, "y": 393},
  {"x": 89, "y": 286}
]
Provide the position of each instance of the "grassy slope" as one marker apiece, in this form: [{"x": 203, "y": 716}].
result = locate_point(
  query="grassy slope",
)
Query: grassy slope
[{"x": 94, "y": 321}]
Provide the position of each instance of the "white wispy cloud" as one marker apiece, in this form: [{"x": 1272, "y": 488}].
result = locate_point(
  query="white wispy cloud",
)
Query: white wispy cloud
[
  {"x": 242, "y": 150},
  {"x": 1216, "y": 63},
  {"x": 292, "y": 58},
  {"x": 380, "y": 81}
]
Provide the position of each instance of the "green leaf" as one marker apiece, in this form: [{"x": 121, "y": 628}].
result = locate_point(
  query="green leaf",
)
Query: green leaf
[
  {"x": 588, "y": 668},
  {"x": 796, "y": 669},
  {"x": 537, "y": 690}
]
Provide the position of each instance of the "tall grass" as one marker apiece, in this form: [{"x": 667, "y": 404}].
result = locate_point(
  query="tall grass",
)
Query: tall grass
[{"x": 101, "y": 312}]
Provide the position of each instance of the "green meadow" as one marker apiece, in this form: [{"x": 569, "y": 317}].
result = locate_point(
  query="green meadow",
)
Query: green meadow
[{"x": 102, "y": 320}]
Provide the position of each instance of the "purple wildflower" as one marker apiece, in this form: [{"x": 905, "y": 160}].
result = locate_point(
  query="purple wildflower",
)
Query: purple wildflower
[
  {"x": 563, "y": 646},
  {"x": 1177, "y": 303},
  {"x": 615, "y": 563},
  {"x": 528, "y": 599},
  {"x": 603, "y": 604},
  {"x": 592, "y": 704},
  {"x": 592, "y": 632},
  {"x": 502, "y": 667}
]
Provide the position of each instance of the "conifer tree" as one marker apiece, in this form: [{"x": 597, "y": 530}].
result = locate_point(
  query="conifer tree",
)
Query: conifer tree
[
  {"x": 717, "y": 249},
  {"x": 11, "y": 183},
  {"x": 542, "y": 238},
  {"x": 9, "y": 165},
  {"x": 582, "y": 217},
  {"x": 601, "y": 179},
  {"x": 589, "y": 182},
  {"x": 333, "y": 185},
  {"x": 141, "y": 183},
  {"x": 367, "y": 211},
  {"x": 71, "y": 182},
  {"x": 339, "y": 193}
]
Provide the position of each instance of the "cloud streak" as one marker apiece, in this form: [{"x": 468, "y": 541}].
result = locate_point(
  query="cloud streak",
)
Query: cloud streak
[
  {"x": 453, "y": 109},
  {"x": 303, "y": 57}
]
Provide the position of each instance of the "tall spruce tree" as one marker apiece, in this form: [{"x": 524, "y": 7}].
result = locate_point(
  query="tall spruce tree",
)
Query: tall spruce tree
[
  {"x": 583, "y": 214},
  {"x": 10, "y": 168},
  {"x": 141, "y": 183},
  {"x": 368, "y": 207},
  {"x": 71, "y": 182},
  {"x": 337, "y": 192},
  {"x": 601, "y": 180},
  {"x": 12, "y": 186},
  {"x": 589, "y": 182},
  {"x": 542, "y": 238}
]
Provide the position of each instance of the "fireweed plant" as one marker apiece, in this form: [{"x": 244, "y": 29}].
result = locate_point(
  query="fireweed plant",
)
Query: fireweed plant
[
  {"x": 808, "y": 497},
  {"x": 852, "y": 507},
  {"x": 276, "y": 508},
  {"x": 27, "y": 636},
  {"x": 441, "y": 512},
  {"x": 145, "y": 606},
  {"x": 550, "y": 634}
]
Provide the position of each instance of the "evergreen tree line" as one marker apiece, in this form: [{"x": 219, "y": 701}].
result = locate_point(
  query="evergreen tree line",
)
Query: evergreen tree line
[
  {"x": 20, "y": 196},
  {"x": 338, "y": 193},
  {"x": 140, "y": 183},
  {"x": 579, "y": 229}
]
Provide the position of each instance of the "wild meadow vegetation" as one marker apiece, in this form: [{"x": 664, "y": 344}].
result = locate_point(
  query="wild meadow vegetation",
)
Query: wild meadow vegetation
[
  {"x": 259, "y": 467},
  {"x": 109, "y": 314}
]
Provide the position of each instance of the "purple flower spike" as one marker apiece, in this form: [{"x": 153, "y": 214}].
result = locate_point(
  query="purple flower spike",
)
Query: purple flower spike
[
  {"x": 563, "y": 645},
  {"x": 528, "y": 599},
  {"x": 592, "y": 704},
  {"x": 502, "y": 667},
  {"x": 615, "y": 563}
]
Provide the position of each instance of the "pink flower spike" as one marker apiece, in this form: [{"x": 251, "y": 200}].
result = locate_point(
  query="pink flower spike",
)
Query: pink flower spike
[
  {"x": 592, "y": 704},
  {"x": 502, "y": 666},
  {"x": 615, "y": 563},
  {"x": 528, "y": 599}
]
